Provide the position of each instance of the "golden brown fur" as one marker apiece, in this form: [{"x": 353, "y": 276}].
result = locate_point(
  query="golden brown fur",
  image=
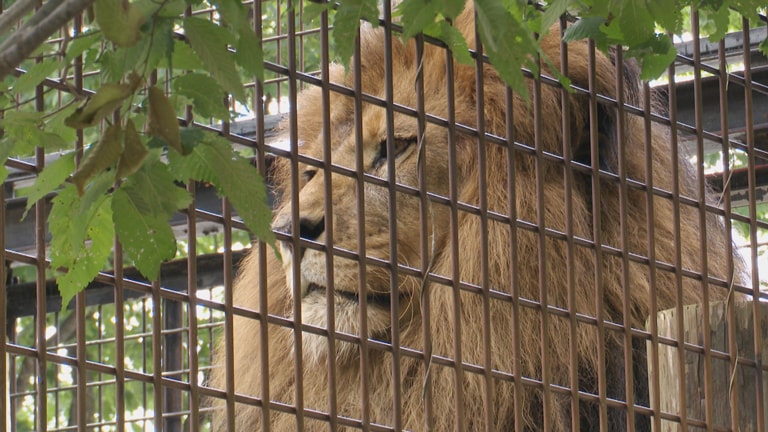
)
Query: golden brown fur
[{"x": 514, "y": 257}]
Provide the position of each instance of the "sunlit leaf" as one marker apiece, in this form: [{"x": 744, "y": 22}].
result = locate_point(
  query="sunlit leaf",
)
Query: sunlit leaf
[
  {"x": 207, "y": 95},
  {"x": 346, "y": 22},
  {"x": 212, "y": 160},
  {"x": 82, "y": 235},
  {"x": 453, "y": 38},
  {"x": 119, "y": 20},
  {"x": 80, "y": 44},
  {"x": 210, "y": 41},
  {"x": 507, "y": 42},
  {"x": 249, "y": 54},
  {"x": 35, "y": 75},
  {"x": 50, "y": 179},
  {"x": 142, "y": 207}
]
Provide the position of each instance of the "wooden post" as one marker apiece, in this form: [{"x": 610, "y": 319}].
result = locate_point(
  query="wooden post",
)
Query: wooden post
[{"x": 727, "y": 387}]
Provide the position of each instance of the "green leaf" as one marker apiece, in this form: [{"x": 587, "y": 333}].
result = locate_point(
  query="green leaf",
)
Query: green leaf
[
  {"x": 25, "y": 131},
  {"x": 206, "y": 94},
  {"x": 312, "y": 11},
  {"x": 35, "y": 75},
  {"x": 141, "y": 209},
  {"x": 49, "y": 180},
  {"x": 249, "y": 54},
  {"x": 80, "y": 44},
  {"x": 508, "y": 43},
  {"x": 162, "y": 42},
  {"x": 347, "y": 21},
  {"x": 553, "y": 13},
  {"x": 210, "y": 42},
  {"x": 668, "y": 13},
  {"x": 588, "y": 27},
  {"x": 764, "y": 47},
  {"x": 183, "y": 58},
  {"x": 417, "y": 15},
  {"x": 453, "y": 38},
  {"x": 6, "y": 149},
  {"x": 720, "y": 19},
  {"x": 82, "y": 236},
  {"x": 120, "y": 21},
  {"x": 654, "y": 56},
  {"x": 636, "y": 22},
  {"x": 213, "y": 160}
]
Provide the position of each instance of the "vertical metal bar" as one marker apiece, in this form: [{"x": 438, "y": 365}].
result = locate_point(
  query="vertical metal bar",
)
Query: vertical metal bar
[
  {"x": 397, "y": 415},
  {"x": 750, "y": 136},
  {"x": 259, "y": 110},
  {"x": 678, "y": 260},
  {"x": 5, "y": 371},
  {"x": 295, "y": 222},
  {"x": 365, "y": 383},
  {"x": 547, "y": 403},
  {"x": 653, "y": 377},
  {"x": 453, "y": 188},
  {"x": 425, "y": 245},
  {"x": 568, "y": 184},
  {"x": 81, "y": 355},
  {"x": 597, "y": 237},
  {"x": 172, "y": 361},
  {"x": 701, "y": 186},
  {"x": 157, "y": 358},
  {"x": 192, "y": 319},
  {"x": 328, "y": 217},
  {"x": 120, "y": 416},
  {"x": 513, "y": 249},
  {"x": 483, "y": 206},
  {"x": 82, "y": 375},
  {"x": 41, "y": 413},
  {"x": 725, "y": 200},
  {"x": 621, "y": 138}
]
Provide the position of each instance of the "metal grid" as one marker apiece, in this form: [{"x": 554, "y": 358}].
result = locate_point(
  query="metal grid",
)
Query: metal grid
[{"x": 123, "y": 357}]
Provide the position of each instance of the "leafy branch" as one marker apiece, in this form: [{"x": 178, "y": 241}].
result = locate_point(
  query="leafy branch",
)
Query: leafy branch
[{"x": 127, "y": 183}]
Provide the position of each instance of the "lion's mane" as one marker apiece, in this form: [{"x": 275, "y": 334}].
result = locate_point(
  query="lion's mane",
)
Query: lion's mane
[{"x": 559, "y": 243}]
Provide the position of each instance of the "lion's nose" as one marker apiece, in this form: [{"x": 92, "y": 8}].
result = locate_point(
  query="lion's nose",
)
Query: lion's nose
[{"x": 308, "y": 230}]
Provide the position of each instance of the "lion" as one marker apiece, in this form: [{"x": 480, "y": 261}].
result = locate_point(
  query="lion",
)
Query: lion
[{"x": 500, "y": 283}]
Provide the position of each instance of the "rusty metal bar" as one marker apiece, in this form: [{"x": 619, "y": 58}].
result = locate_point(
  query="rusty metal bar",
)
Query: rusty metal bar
[
  {"x": 298, "y": 352},
  {"x": 389, "y": 83},
  {"x": 362, "y": 285},
  {"x": 426, "y": 241},
  {"x": 750, "y": 138},
  {"x": 328, "y": 218},
  {"x": 482, "y": 185},
  {"x": 455, "y": 283},
  {"x": 678, "y": 245},
  {"x": 702, "y": 213}
]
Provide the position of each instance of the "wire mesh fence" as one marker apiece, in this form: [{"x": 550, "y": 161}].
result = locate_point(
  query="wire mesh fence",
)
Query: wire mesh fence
[{"x": 452, "y": 255}]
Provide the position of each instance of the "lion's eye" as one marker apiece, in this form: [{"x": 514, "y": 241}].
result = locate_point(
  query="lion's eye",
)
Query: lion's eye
[
  {"x": 308, "y": 175},
  {"x": 400, "y": 146}
]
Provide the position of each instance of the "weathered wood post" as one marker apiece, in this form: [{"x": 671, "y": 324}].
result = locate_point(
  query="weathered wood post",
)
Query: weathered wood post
[{"x": 731, "y": 390}]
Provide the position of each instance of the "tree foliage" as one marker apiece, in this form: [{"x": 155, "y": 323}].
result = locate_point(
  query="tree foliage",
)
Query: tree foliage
[{"x": 127, "y": 182}]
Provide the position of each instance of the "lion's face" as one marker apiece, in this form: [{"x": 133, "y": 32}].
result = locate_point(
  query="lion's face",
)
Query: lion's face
[{"x": 356, "y": 209}]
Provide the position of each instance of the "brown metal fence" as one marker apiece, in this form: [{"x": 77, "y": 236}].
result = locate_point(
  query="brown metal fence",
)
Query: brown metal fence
[{"x": 486, "y": 263}]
